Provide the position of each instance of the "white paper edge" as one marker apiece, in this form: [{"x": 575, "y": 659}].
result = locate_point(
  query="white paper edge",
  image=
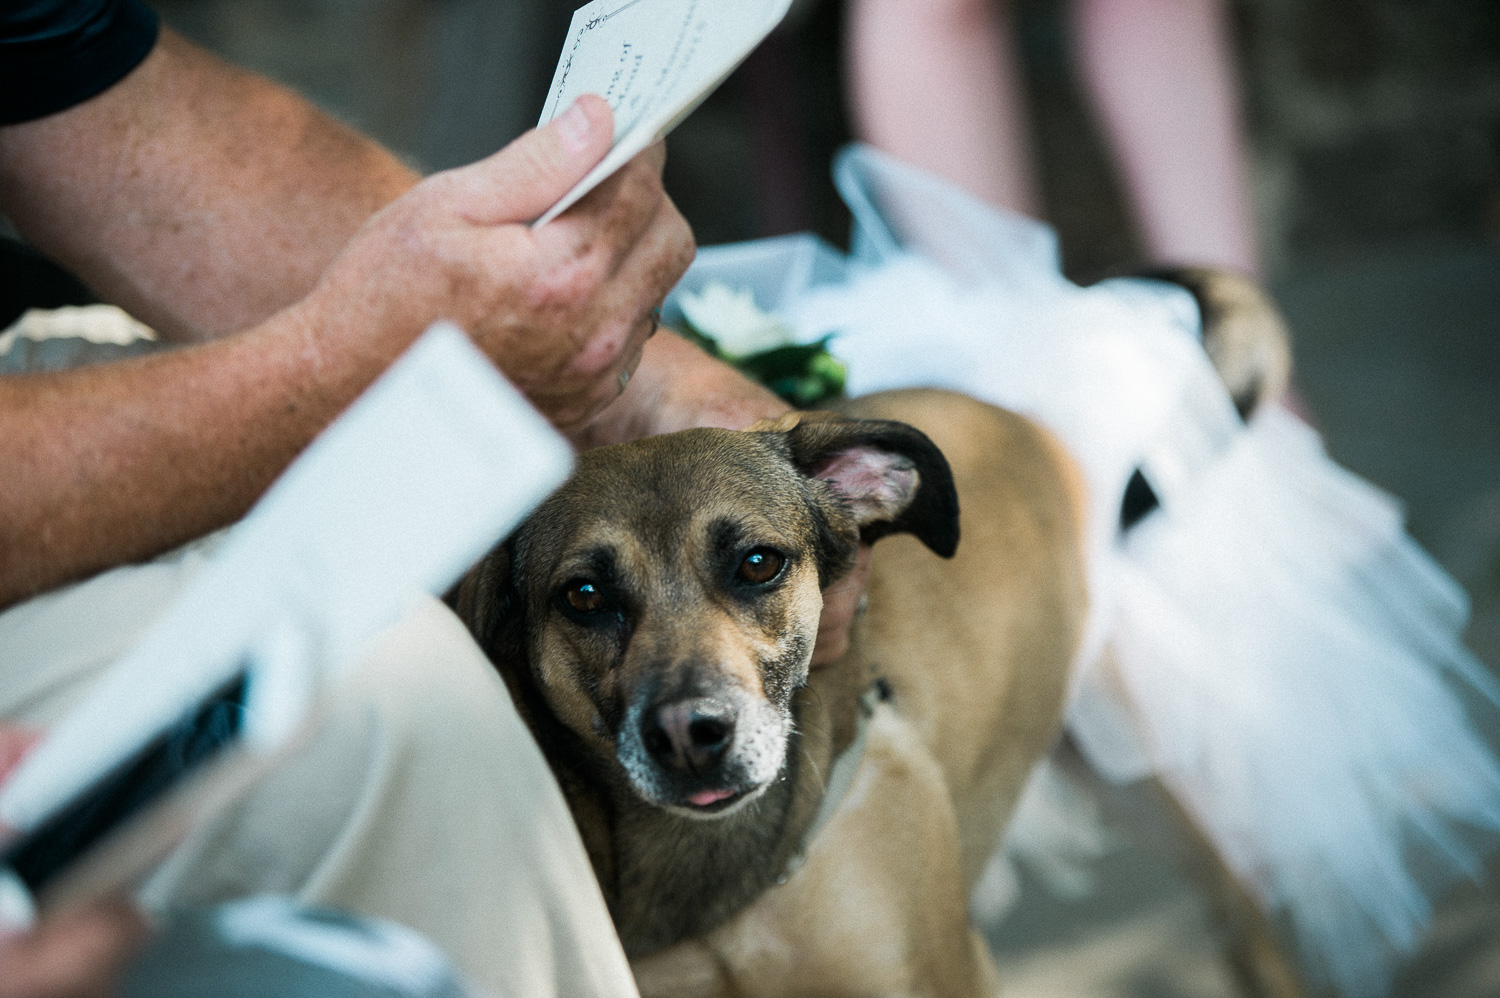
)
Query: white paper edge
[{"x": 653, "y": 129}]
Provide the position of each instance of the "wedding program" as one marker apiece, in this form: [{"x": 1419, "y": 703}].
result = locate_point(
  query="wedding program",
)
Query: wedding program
[{"x": 654, "y": 61}]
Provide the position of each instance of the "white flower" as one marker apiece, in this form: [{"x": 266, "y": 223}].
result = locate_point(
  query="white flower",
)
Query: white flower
[{"x": 731, "y": 318}]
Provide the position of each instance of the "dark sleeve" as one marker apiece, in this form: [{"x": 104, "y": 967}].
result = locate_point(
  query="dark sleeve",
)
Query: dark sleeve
[{"x": 58, "y": 53}]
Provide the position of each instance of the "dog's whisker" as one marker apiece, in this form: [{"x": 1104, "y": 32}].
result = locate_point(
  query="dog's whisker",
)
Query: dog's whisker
[{"x": 817, "y": 771}]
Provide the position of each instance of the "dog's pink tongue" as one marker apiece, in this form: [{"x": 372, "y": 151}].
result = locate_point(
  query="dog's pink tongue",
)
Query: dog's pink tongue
[{"x": 703, "y": 798}]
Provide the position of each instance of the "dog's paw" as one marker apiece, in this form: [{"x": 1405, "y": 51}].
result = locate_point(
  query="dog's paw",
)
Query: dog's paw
[{"x": 1244, "y": 334}]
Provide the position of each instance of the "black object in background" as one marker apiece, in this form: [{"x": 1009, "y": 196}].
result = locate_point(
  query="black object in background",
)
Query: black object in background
[
  {"x": 30, "y": 280},
  {"x": 180, "y": 750}
]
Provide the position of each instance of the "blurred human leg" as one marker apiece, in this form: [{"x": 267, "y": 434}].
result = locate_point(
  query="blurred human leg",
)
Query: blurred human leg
[
  {"x": 936, "y": 83},
  {"x": 1161, "y": 77},
  {"x": 420, "y": 798}
]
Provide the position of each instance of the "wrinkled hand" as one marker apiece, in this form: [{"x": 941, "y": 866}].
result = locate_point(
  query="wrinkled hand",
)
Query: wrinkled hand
[
  {"x": 76, "y": 955},
  {"x": 563, "y": 309}
]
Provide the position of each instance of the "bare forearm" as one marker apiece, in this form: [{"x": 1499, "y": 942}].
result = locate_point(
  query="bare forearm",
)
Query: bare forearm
[
  {"x": 201, "y": 198},
  {"x": 120, "y": 462},
  {"x": 116, "y": 463}
]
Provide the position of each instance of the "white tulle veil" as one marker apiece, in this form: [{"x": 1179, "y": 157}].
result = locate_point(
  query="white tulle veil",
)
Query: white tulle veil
[{"x": 1269, "y": 642}]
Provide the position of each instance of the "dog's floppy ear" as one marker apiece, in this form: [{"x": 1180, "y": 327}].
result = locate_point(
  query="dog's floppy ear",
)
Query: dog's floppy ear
[
  {"x": 892, "y": 478},
  {"x": 485, "y": 599}
]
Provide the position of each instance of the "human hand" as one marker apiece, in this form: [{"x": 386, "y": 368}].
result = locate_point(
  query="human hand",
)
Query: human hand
[
  {"x": 562, "y": 310},
  {"x": 78, "y": 954},
  {"x": 840, "y": 606},
  {"x": 678, "y": 387}
]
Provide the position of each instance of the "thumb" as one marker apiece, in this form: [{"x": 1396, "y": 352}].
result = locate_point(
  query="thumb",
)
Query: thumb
[{"x": 524, "y": 179}]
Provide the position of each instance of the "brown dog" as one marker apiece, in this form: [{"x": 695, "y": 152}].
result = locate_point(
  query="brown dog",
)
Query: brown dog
[
  {"x": 759, "y": 828},
  {"x": 654, "y": 620}
]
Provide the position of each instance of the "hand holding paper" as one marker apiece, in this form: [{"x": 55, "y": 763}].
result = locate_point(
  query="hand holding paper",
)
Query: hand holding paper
[{"x": 654, "y": 61}]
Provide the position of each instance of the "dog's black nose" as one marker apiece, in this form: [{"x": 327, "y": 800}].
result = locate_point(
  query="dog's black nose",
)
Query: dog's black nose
[{"x": 689, "y": 736}]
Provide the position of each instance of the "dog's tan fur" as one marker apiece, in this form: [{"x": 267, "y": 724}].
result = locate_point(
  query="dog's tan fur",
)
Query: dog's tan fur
[
  {"x": 972, "y": 654},
  {"x": 975, "y": 651}
]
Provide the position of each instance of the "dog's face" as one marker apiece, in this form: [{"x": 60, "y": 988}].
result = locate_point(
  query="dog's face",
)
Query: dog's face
[{"x": 666, "y": 599}]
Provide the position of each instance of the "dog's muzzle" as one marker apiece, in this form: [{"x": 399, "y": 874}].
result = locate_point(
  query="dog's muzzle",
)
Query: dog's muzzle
[
  {"x": 703, "y": 755},
  {"x": 689, "y": 737}
]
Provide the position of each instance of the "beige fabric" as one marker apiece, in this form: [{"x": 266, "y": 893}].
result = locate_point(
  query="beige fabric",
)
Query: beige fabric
[{"x": 421, "y": 798}]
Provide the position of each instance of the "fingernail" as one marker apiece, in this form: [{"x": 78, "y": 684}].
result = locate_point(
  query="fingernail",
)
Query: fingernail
[{"x": 575, "y": 127}]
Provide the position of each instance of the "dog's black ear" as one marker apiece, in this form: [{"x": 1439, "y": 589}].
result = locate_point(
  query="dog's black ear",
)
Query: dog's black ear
[
  {"x": 485, "y": 599},
  {"x": 891, "y": 477}
]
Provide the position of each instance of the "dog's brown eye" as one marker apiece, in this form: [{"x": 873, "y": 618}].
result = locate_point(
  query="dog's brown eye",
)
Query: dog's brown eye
[
  {"x": 760, "y": 565},
  {"x": 585, "y": 597}
]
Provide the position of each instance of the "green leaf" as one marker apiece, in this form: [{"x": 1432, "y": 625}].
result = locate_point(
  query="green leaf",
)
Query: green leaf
[{"x": 804, "y": 375}]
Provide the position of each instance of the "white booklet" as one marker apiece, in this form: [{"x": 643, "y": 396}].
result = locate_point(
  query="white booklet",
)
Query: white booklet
[
  {"x": 432, "y": 465},
  {"x": 654, "y": 61}
]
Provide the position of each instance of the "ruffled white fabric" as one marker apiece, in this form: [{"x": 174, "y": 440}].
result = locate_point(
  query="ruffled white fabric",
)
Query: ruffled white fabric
[{"x": 1269, "y": 642}]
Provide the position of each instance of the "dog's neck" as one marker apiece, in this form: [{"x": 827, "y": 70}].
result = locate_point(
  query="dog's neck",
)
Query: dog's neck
[{"x": 668, "y": 877}]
